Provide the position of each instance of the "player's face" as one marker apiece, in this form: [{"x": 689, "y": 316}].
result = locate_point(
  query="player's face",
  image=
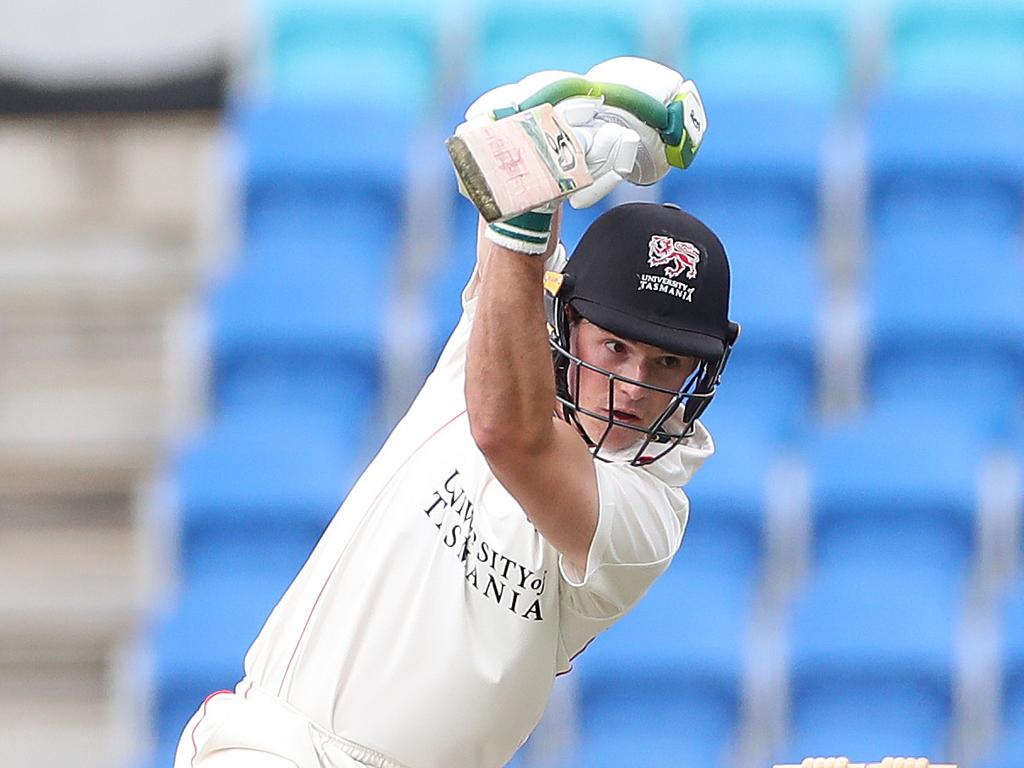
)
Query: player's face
[{"x": 633, "y": 404}]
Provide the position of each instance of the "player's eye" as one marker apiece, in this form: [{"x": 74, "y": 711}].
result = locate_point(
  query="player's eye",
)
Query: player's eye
[
  {"x": 616, "y": 346},
  {"x": 671, "y": 362}
]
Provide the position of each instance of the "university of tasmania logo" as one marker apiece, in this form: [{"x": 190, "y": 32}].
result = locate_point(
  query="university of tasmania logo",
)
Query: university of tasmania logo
[{"x": 675, "y": 255}]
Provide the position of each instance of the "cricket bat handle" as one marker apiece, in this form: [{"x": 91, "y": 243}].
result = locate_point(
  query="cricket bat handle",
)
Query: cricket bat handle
[{"x": 518, "y": 163}]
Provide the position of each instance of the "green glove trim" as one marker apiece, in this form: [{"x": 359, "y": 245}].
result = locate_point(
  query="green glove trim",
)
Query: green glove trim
[
  {"x": 667, "y": 121},
  {"x": 538, "y": 239},
  {"x": 535, "y": 221}
]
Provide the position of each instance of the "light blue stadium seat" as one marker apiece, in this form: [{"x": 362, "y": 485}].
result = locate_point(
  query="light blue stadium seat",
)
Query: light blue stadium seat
[
  {"x": 924, "y": 179},
  {"x": 758, "y": 170},
  {"x": 361, "y": 53},
  {"x": 515, "y": 40},
  {"x": 946, "y": 48},
  {"x": 661, "y": 687},
  {"x": 766, "y": 390},
  {"x": 199, "y": 647},
  {"x": 896, "y": 487},
  {"x": 756, "y": 182},
  {"x": 871, "y": 664},
  {"x": 323, "y": 180},
  {"x": 255, "y": 495},
  {"x": 290, "y": 335},
  {"x": 754, "y": 49},
  {"x": 727, "y": 497},
  {"x": 776, "y": 298},
  {"x": 948, "y": 325}
]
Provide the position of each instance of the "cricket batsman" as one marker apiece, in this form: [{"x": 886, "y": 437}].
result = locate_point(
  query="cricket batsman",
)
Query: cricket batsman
[{"x": 529, "y": 497}]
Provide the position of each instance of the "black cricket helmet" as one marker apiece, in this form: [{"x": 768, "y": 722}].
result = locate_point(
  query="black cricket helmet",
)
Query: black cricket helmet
[{"x": 650, "y": 273}]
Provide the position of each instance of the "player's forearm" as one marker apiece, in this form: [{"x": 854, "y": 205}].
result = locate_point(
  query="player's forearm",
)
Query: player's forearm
[{"x": 509, "y": 379}]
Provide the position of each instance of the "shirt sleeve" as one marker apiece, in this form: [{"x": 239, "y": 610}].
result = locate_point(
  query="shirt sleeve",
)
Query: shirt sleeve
[{"x": 640, "y": 526}]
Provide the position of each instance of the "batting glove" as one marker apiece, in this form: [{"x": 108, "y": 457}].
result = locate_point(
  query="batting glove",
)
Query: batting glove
[
  {"x": 610, "y": 152},
  {"x": 635, "y": 118}
]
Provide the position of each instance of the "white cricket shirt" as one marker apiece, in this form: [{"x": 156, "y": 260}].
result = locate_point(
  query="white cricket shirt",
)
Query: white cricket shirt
[{"x": 431, "y": 619}]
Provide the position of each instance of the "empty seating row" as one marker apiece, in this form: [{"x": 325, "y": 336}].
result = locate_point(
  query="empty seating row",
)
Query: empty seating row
[{"x": 407, "y": 54}]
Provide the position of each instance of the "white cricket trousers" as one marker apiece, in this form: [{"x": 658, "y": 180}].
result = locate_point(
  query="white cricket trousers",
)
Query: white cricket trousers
[{"x": 250, "y": 728}]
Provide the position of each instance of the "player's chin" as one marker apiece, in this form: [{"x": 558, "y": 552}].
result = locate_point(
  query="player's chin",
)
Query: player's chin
[{"x": 612, "y": 438}]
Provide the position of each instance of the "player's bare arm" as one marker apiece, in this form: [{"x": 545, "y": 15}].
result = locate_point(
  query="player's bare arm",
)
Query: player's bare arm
[{"x": 510, "y": 391}]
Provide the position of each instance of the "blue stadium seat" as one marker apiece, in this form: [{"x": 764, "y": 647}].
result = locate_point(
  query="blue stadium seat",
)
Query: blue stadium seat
[
  {"x": 727, "y": 498},
  {"x": 924, "y": 179},
  {"x": 361, "y": 53},
  {"x": 662, "y": 687},
  {"x": 290, "y": 335},
  {"x": 1008, "y": 753},
  {"x": 771, "y": 376},
  {"x": 731, "y": 48},
  {"x": 948, "y": 326},
  {"x": 255, "y": 495},
  {"x": 948, "y": 48},
  {"x": 323, "y": 180},
  {"x": 896, "y": 488},
  {"x": 872, "y": 660},
  {"x": 515, "y": 40},
  {"x": 759, "y": 169},
  {"x": 200, "y": 644}
]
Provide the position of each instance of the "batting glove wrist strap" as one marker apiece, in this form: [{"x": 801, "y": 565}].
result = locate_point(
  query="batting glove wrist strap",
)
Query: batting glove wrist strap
[{"x": 528, "y": 232}]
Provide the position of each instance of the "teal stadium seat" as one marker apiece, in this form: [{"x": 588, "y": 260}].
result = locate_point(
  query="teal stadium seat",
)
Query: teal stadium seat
[
  {"x": 767, "y": 49},
  {"x": 516, "y": 39},
  {"x": 940, "y": 48},
  {"x": 379, "y": 54}
]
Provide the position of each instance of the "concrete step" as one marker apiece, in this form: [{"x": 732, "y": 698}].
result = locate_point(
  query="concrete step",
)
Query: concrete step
[
  {"x": 71, "y": 709},
  {"x": 78, "y": 585},
  {"x": 164, "y": 175}
]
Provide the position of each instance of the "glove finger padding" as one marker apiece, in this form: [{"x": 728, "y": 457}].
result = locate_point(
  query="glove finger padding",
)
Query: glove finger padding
[
  {"x": 611, "y": 154},
  {"x": 609, "y": 149},
  {"x": 658, "y": 152}
]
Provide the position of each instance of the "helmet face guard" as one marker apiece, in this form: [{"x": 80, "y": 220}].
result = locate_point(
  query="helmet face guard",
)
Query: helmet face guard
[
  {"x": 656, "y": 275},
  {"x": 674, "y": 424}
]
